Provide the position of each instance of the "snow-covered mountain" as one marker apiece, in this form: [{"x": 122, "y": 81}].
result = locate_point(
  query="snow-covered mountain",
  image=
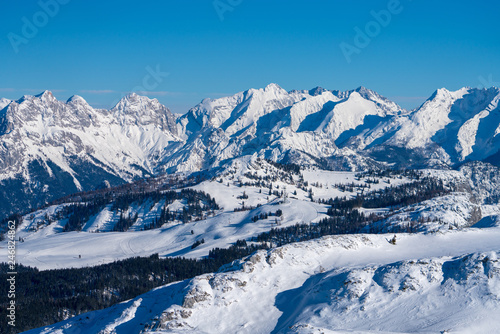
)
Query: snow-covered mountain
[
  {"x": 442, "y": 278},
  {"x": 296, "y": 126},
  {"x": 349, "y": 130},
  {"x": 437, "y": 283},
  {"x": 445, "y": 276},
  {"x": 449, "y": 128},
  {"x": 51, "y": 148}
]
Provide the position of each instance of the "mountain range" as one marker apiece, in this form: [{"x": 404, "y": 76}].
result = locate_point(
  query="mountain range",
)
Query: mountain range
[{"x": 51, "y": 148}]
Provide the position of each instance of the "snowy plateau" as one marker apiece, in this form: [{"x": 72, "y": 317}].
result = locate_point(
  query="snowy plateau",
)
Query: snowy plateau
[{"x": 365, "y": 217}]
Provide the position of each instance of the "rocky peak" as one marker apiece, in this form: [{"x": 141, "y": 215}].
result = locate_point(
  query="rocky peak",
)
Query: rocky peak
[{"x": 4, "y": 103}]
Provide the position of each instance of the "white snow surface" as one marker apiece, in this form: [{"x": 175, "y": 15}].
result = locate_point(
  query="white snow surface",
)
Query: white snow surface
[
  {"x": 45, "y": 246},
  {"x": 435, "y": 283},
  {"x": 4, "y": 102}
]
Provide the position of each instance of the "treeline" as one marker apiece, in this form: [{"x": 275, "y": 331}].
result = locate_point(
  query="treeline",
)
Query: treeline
[
  {"x": 79, "y": 214},
  {"x": 265, "y": 215},
  {"x": 287, "y": 167},
  {"x": 394, "y": 196},
  {"x": 352, "y": 222},
  {"x": 46, "y": 297},
  {"x": 412, "y": 174},
  {"x": 346, "y": 218}
]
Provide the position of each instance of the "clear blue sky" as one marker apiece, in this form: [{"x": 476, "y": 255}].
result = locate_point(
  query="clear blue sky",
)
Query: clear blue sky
[{"x": 103, "y": 49}]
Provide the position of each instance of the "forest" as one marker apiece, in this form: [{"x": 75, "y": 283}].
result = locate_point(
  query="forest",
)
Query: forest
[{"x": 46, "y": 297}]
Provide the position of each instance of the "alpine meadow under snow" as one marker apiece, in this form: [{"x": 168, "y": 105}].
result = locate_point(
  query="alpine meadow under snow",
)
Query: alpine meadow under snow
[{"x": 311, "y": 211}]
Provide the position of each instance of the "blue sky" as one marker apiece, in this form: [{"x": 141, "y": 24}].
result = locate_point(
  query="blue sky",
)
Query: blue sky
[{"x": 101, "y": 49}]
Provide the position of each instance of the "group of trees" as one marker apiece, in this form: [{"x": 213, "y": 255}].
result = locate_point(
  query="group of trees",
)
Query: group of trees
[
  {"x": 351, "y": 187},
  {"x": 79, "y": 214},
  {"x": 280, "y": 172},
  {"x": 352, "y": 221},
  {"x": 344, "y": 216},
  {"x": 41, "y": 296},
  {"x": 411, "y": 174},
  {"x": 265, "y": 215},
  {"x": 395, "y": 196},
  {"x": 287, "y": 167}
]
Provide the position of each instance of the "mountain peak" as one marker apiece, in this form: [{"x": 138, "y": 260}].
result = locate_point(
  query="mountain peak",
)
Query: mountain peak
[
  {"x": 366, "y": 92},
  {"x": 133, "y": 97},
  {"x": 137, "y": 109},
  {"x": 317, "y": 91},
  {"x": 135, "y": 101},
  {"x": 46, "y": 95},
  {"x": 442, "y": 90},
  {"x": 76, "y": 99},
  {"x": 272, "y": 86},
  {"x": 4, "y": 102},
  {"x": 444, "y": 94},
  {"x": 362, "y": 89}
]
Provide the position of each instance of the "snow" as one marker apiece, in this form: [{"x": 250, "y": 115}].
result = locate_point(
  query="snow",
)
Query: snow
[
  {"x": 467, "y": 134},
  {"x": 440, "y": 213},
  {"x": 425, "y": 283},
  {"x": 340, "y": 284},
  {"x": 440, "y": 280},
  {"x": 328, "y": 180},
  {"x": 127, "y": 315},
  {"x": 4, "y": 102},
  {"x": 132, "y": 134},
  {"x": 427, "y": 120},
  {"x": 46, "y": 247},
  {"x": 141, "y": 137}
]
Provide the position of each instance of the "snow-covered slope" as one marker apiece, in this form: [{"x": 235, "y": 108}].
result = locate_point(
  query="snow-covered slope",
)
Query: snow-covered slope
[
  {"x": 437, "y": 283},
  {"x": 4, "y": 102},
  {"x": 46, "y": 246}
]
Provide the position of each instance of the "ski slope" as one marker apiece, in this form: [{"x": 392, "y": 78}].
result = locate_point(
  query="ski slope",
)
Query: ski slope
[{"x": 48, "y": 249}]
